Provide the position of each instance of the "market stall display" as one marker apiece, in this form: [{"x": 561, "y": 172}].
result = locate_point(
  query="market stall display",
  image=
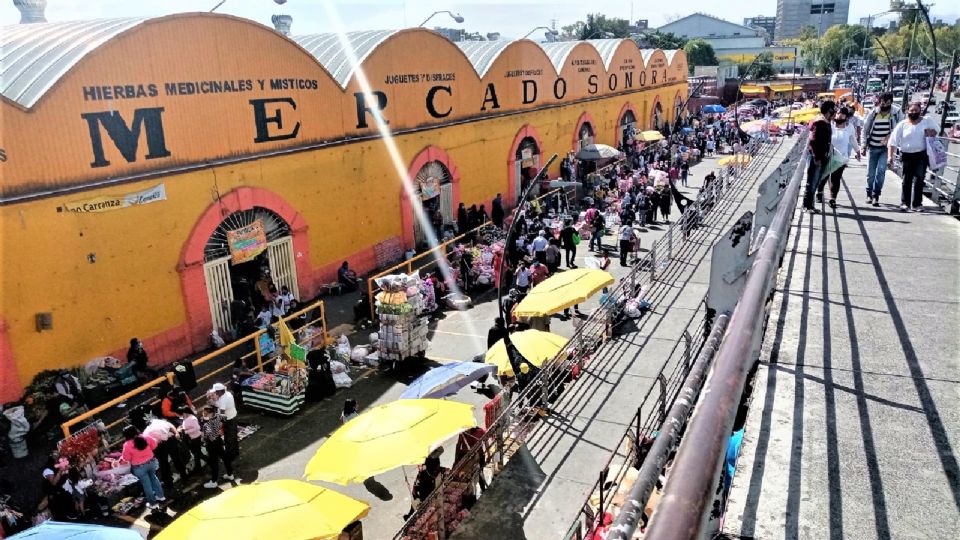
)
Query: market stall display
[
  {"x": 282, "y": 392},
  {"x": 399, "y": 305}
]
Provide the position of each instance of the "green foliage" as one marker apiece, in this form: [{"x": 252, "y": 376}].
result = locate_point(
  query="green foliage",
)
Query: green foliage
[
  {"x": 761, "y": 68},
  {"x": 596, "y": 26},
  {"x": 662, "y": 40},
  {"x": 700, "y": 53}
]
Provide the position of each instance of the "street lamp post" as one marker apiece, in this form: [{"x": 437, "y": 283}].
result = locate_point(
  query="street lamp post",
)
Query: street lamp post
[
  {"x": 550, "y": 32},
  {"x": 455, "y": 17}
]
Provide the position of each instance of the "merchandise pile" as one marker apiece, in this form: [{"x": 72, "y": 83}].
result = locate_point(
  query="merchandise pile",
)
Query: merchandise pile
[{"x": 403, "y": 332}]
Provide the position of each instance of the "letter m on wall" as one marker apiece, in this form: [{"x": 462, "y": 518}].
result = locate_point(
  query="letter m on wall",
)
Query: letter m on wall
[{"x": 126, "y": 138}]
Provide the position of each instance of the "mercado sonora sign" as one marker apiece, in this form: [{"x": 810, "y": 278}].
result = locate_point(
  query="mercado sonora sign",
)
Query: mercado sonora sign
[{"x": 280, "y": 117}]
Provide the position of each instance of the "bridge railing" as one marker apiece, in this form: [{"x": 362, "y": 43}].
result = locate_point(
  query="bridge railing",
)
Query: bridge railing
[
  {"x": 941, "y": 185},
  {"x": 512, "y": 428},
  {"x": 684, "y": 508}
]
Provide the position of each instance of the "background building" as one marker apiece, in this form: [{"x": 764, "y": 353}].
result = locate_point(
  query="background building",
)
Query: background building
[
  {"x": 767, "y": 23},
  {"x": 125, "y": 180},
  {"x": 732, "y": 42},
  {"x": 792, "y": 15}
]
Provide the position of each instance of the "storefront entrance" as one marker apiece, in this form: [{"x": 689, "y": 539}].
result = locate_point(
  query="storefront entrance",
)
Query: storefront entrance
[
  {"x": 245, "y": 247},
  {"x": 657, "y": 116},
  {"x": 585, "y": 136},
  {"x": 526, "y": 166},
  {"x": 434, "y": 190},
  {"x": 628, "y": 126}
]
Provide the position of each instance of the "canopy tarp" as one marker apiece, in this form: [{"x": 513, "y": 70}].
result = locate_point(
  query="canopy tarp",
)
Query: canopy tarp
[{"x": 753, "y": 90}]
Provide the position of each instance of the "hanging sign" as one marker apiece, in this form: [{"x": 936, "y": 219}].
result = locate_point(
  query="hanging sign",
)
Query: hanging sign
[
  {"x": 429, "y": 188},
  {"x": 247, "y": 242},
  {"x": 108, "y": 203}
]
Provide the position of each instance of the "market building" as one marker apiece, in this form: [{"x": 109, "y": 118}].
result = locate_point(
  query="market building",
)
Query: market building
[{"x": 150, "y": 166}]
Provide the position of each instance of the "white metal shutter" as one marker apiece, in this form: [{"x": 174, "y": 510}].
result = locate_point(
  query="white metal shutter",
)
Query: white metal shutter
[
  {"x": 283, "y": 269},
  {"x": 219, "y": 294},
  {"x": 446, "y": 203}
]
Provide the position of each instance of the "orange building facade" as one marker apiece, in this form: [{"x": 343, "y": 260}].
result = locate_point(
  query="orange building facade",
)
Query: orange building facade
[{"x": 135, "y": 152}]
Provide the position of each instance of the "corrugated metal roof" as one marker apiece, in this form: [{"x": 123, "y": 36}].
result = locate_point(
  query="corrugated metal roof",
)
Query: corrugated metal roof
[
  {"x": 329, "y": 51},
  {"x": 606, "y": 48},
  {"x": 646, "y": 54},
  {"x": 558, "y": 52},
  {"x": 670, "y": 54},
  {"x": 33, "y": 57},
  {"x": 482, "y": 54}
]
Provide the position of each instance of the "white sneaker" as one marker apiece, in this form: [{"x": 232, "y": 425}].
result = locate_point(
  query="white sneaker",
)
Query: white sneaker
[
  {"x": 152, "y": 506},
  {"x": 210, "y": 485},
  {"x": 228, "y": 477},
  {"x": 903, "y": 208}
]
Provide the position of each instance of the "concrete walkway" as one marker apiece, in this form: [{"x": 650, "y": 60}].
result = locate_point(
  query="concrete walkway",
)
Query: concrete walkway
[
  {"x": 854, "y": 424},
  {"x": 546, "y": 483}
]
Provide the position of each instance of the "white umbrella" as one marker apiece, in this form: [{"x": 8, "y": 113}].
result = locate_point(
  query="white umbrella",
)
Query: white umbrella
[{"x": 593, "y": 152}]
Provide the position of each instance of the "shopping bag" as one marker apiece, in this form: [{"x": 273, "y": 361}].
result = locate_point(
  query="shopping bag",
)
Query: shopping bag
[
  {"x": 936, "y": 154},
  {"x": 834, "y": 162}
]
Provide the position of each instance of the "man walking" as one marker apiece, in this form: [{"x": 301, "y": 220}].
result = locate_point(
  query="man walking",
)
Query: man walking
[
  {"x": 819, "y": 149},
  {"x": 877, "y": 127}
]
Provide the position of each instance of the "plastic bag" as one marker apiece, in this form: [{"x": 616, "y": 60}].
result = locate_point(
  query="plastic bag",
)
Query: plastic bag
[
  {"x": 216, "y": 339},
  {"x": 936, "y": 154},
  {"x": 342, "y": 380}
]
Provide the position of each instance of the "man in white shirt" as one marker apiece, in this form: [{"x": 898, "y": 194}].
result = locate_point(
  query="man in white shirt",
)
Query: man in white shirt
[
  {"x": 626, "y": 237},
  {"x": 540, "y": 244},
  {"x": 228, "y": 409},
  {"x": 910, "y": 136},
  {"x": 523, "y": 279}
]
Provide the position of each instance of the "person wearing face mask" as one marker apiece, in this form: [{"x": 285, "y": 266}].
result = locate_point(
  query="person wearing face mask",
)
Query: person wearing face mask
[
  {"x": 910, "y": 136},
  {"x": 844, "y": 141},
  {"x": 818, "y": 146},
  {"x": 874, "y": 136}
]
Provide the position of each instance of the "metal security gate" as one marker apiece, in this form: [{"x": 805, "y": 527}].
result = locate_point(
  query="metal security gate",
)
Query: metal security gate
[
  {"x": 219, "y": 294},
  {"x": 283, "y": 269},
  {"x": 446, "y": 203}
]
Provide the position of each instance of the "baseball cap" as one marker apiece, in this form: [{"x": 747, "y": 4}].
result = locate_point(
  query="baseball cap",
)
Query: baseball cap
[{"x": 217, "y": 387}]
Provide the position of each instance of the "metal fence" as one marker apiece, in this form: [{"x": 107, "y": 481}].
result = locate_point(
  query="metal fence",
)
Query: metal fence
[
  {"x": 941, "y": 185},
  {"x": 688, "y": 496},
  {"x": 511, "y": 429},
  {"x": 310, "y": 331}
]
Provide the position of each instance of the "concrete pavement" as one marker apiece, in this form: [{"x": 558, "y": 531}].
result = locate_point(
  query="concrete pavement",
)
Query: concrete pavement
[{"x": 854, "y": 423}]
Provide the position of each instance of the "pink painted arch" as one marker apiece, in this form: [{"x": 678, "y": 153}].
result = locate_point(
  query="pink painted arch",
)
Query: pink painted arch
[
  {"x": 510, "y": 195},
  {"x": 192, "y": 279},
  {"x": 428, "y": 154}
]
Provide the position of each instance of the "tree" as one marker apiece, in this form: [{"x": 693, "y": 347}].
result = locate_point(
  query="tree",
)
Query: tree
[
  {"x": 760, "y": 68},
  {"x": 661, "y": 40},
  {"x": 700, "y": 53},
  {"x": 839, "y": 43},
  {"x": 807, "y": 32},
  {"x": 571, "y": 32},
  {"x": 600, "y": 27}
]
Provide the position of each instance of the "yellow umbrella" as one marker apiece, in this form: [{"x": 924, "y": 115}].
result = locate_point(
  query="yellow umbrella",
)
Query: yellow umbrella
[
  {"x": 281, "y": 509},
  {"x": 536, "y": 346},
  {"x": 651, "y": 135},
  {"x": 386, "y": 437},
  {"x": 739, "y": 159},
  {"x": 562, "y": 290}
]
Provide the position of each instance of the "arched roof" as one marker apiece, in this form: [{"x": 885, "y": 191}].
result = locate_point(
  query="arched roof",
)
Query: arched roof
[
  {"x": 33, "y": 57},
  {"x": 670, "y": 54},
  {"x": 482, "y": 54},
  {"x": 606, "y": 48},
  {"x": 328, "y": 49}
]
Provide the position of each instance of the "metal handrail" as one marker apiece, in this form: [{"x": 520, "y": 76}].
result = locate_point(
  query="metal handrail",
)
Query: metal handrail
[
  {"x": 509, "y": 430},
  {"x": 682, "y": 512}
]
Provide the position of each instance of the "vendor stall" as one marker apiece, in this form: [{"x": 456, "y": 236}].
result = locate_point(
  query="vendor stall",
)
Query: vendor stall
[
  {"x": 403, "y": 331},
  {"x": 282, "y": 392}
]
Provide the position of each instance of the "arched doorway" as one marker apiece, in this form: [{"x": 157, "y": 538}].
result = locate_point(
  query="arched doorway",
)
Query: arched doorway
[
  {"x": 628, "y": 126},
  {"x": 584, "y": 135},
  {"x": 248, "y": 250},
  {"x": 526, "y": 165},
  {"x": 433, "y": 185},
  {"x": 656, "y": 116},
  {"x": 678, "y": 107}
]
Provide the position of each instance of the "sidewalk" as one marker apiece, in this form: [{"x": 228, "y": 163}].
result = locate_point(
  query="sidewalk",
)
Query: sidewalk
[
  {"x": 543, "y": 487},
  {"x": 854, "y": 423}
]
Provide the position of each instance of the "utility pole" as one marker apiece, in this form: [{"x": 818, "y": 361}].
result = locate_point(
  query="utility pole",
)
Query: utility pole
[{"x": 948, "y": 99}]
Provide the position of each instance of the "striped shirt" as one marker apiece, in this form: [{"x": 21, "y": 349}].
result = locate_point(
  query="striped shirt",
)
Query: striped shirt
[{"x": 882, "y": 126}]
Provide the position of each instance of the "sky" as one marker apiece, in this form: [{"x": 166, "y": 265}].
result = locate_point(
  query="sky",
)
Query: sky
[{"x": 511, "y": 18}]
